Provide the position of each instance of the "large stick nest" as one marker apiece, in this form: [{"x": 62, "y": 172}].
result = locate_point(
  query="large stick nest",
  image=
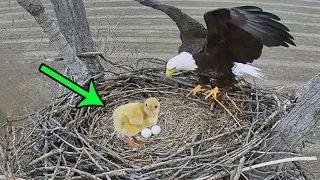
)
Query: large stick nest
[{"x": 199, "y": 139}]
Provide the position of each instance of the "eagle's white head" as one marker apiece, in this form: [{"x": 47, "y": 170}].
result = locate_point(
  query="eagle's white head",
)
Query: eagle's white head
[{"x": 183, "y": 61}]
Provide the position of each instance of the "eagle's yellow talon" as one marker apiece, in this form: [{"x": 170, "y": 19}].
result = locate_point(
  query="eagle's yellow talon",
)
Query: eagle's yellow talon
[
  {"x": 197, "y": 89},
  {"x": 213, "y": 92}
]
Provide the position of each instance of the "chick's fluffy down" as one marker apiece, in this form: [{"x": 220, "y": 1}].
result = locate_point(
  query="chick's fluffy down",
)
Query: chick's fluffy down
[{"x": 131, "y": 118}]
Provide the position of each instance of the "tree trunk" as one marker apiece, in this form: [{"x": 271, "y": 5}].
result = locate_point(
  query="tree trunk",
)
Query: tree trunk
[
  {"x": 302, "y": 118},
  {"x": 76, "y": 69},
  {"x": 74, "y": 26},
  {"x": 294, "y": 127}
]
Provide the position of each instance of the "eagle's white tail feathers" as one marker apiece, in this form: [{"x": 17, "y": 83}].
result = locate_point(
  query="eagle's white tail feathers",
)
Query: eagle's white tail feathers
[{"x": 240, "y": 69}]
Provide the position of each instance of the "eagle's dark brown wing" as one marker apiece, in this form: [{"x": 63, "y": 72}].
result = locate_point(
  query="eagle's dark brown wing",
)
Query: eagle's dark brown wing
[
  {"x": 192, "y": 33},
  {"x": 244, "y": 30}
]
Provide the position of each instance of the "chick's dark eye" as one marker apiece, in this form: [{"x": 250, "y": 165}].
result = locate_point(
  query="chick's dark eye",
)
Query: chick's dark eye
[
  {"x": 156, "y": 107},
  {"x": 146, "y": 105}
]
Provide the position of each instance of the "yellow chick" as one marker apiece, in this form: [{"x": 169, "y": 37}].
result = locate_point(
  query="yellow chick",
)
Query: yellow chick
[{"x": 131, "y": 118}]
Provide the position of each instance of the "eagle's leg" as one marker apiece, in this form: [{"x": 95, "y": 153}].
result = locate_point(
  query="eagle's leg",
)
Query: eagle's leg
[
  {"x": 224, "y": 81},
  {"x": 213, "y": 92},
  {"x": 197, "y": 89},
  {"x": 202, "y": 81}
]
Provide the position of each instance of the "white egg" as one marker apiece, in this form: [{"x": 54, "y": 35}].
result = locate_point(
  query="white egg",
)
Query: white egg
[
  {"x": 146, "y": 132},
  {"x": 155, "y": 129}
]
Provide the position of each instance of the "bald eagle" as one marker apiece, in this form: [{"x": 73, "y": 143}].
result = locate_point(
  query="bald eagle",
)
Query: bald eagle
[{"x": 234, "y": 38}]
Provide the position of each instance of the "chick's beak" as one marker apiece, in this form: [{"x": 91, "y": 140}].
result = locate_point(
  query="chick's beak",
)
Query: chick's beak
[
  {"x": 169, "y": 72},
  {"x": 150, "y": 110}
]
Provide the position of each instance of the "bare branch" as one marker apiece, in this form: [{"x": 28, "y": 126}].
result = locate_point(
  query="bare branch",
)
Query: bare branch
[{"x": 76, "y": 69}]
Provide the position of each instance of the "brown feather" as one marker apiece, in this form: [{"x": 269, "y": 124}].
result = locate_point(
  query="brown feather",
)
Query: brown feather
[{"x": 238, "y": 35}]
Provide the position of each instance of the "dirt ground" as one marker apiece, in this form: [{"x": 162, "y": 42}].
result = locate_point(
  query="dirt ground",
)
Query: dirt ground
[{"x": 125, "y": 30}]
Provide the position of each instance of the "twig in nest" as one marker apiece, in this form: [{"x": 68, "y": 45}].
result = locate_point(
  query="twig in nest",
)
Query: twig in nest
[
  {"x": 52, "y": 152},
  {"x": 99, "y": 155},
  {"x": 223, "y": 173},
  {"x": 56, "y": 169},
  {"x": 313, "y": 158},
  {"x": 277, "y": 100},
  {"x": 229, "y": 112},
  {"x": 51, "y": 168},
  {"x": 181, "y": 149},
  {"x": 93, "y": 160},
  {"x": 237, "y": 173},
  {"x": 233, "y": 103},
  {"x": 153, "y": 166},
  {"x": 74, "y": 167}
]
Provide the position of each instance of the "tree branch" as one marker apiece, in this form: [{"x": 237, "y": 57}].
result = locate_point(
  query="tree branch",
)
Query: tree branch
[{"x": 76, "y": 69}]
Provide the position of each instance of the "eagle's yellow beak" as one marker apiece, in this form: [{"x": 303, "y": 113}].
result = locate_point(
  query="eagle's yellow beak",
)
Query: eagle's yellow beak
[{"x": 169, "y": 72}]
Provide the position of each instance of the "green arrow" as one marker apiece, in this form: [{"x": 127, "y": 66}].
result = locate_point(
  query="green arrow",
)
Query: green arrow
[{"x": 91, "y": 97}]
